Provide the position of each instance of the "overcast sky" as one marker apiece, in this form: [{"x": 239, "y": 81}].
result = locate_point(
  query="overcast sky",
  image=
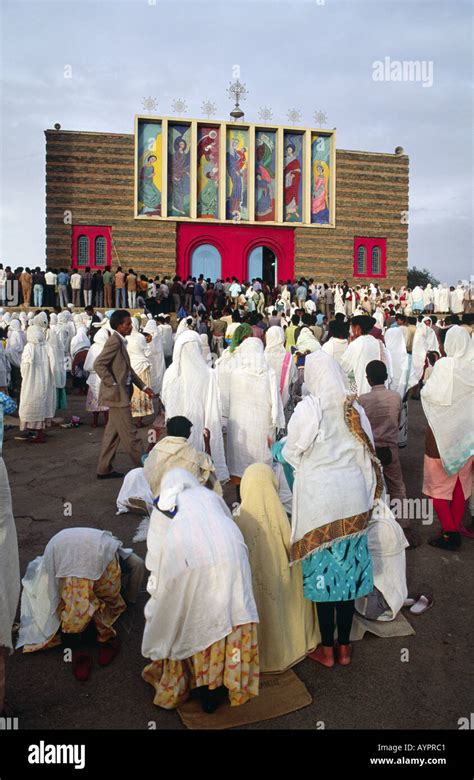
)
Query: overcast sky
[{"x": 304, "y": 54}]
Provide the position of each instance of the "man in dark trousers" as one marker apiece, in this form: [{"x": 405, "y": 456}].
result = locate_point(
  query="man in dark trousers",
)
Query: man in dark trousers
[{"x": 117, "y": 377}]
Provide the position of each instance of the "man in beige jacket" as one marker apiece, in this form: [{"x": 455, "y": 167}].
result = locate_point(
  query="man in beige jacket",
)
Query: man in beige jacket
[{"x": 117, "y": 377}]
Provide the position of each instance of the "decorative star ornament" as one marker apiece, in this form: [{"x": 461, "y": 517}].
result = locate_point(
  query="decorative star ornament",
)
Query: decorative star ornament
[{"x": 150, "y": 104}]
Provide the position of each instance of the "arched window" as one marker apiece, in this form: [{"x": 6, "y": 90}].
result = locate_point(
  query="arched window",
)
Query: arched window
[
  {"x": 83, "y": 250},
  {"x": 376, "y": 261},
  {"x": 100, "y": 250},
  {"x": 361, "y": 260}
]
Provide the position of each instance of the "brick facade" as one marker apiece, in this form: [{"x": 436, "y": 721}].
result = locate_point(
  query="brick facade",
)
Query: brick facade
[{"x": 91, "y": 175}]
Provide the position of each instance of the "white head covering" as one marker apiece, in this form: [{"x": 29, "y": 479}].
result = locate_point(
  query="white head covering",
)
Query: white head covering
[
  {"x": 447, "y": 400},
  {"x": 73, "y": 552},
  {"x": 80, "y": 341},
  {"x": 136, "y": 346},
  {"x": 396, "y": 345},
  {"x": 41, "y": 320},
  {"x": 251, "y": 356},
  {"x": 200, "y": 585},
  {"x": 16, "y": 341},
  {"x": 307, "y": 342}
]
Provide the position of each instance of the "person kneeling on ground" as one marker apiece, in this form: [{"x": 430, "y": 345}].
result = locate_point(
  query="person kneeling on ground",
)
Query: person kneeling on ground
[
  {"x": 77, "y": 580},
  {"x": 201, "y": 618}
]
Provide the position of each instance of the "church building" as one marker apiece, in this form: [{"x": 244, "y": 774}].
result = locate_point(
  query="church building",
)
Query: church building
[{"x": 187, "y": 196}]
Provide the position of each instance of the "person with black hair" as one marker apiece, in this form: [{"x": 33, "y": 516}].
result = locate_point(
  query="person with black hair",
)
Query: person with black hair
[
  {"x": 383, "y": 408},
  {"x": 338, "y": 340},
  {"x": 174, "y": 451},
  {"x": 117, "y": 377},
  {"x": 290, "y": 333},
  {"x": 361, "y": 350}
]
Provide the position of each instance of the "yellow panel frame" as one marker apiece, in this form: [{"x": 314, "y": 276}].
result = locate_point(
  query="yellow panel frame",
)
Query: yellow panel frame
[{"x": 307, "y": 132}]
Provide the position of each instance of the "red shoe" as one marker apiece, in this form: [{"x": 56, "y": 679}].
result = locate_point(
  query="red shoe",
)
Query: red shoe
[
  {"x": 108, "y": 651},
  {"x": 344, "y": 654},
  {"x": 323, "y": 655},
  {"x": 81, "y": 665}
]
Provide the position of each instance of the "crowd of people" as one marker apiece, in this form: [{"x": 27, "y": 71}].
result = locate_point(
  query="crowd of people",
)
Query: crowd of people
[{"x": 292, "y": 400}]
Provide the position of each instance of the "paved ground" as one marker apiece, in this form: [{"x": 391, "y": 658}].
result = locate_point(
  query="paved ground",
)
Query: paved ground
[{"x": 432, "y": 690}]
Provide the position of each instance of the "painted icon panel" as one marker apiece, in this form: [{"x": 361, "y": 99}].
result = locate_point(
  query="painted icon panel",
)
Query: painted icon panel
[
  {"x": 293, "y": 177},
  {"x": 320, "y": 178},
  {"x": 179, "y": 170},
  {"x": 237, "y": 147},
  {"x": 208, "y": 147},
  {"x": 149, "y": 148},
  {"x": 265, "y": 175}
]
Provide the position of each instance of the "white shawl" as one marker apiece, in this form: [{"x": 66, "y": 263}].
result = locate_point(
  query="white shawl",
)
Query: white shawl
[
  {"x": 9, "y": 563},
  {"x": 277, "y": 357},
  {"x": 200, "y": 583},
  {"x": 190, "y": 389},
  {"x": 38, "y": 389},
  {"x": 255, "y": 408},
  {"x": 155, "y": 353},
  {"x": 448, "y": 400},
  {"x": 334, "y": 476},
  {"x": 396, "y": 345},
  {"x": 354, "y": 361},
  {"x": 424, "y": 341},
  {"x": 15, "y": 343},
  {"x": 73, "y": 552}
]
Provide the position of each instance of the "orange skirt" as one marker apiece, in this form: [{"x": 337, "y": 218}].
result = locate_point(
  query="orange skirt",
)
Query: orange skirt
[{"x": 232, "y": 661}]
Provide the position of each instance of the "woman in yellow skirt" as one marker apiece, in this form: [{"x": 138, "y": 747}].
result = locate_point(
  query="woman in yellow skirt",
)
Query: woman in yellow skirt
[
  {"x": 76, "y": 581},
  {"x": 201, "y": 618}
]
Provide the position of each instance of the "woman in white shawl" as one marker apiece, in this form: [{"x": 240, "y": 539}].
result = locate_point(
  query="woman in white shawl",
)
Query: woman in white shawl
[
  {"x": 424, "y": 341},
  {"x": 38, "y": 390},
  {"x": 224, "y": 366},
  {"x": 16, "y": 341},
  {"x": 93, "y": 380},
  {"x": 337, "y": 481},
  {"x": 141, "y": 405},
  {"x": 447, "y": 400},
  {"x": 201, "y": 617},
  {"x": 190, "y": 390},
  {"x": 338, "y": 340},
  {"x": 77, "y": 580},
  {"x": 395, "y": 344},
  {"x": 255, "y": 410},
  {"x": 387, "y": 544},
  {"x": 155, "y": 353},
  {"x": 9, "y": 574},
  {"x": 57, "y": 360},
  {"x": 80, "y": 341},
  {"x": 281, "y": 361}
]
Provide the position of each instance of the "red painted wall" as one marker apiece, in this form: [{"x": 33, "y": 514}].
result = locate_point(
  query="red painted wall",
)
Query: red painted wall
[{"x": 235, "y": 242}]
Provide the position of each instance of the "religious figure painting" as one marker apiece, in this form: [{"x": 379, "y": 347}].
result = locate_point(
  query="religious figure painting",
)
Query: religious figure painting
[
  {"x": 293, "y": 178},
  {"x": 149, "y": 169},
  {"x": 320, "y": 178},
  {"x": 208, "y": 146},
  {"x": 237, "y": 174},
  {"x": 179, "y": 170},
  {"x": 265, "y": 165}
]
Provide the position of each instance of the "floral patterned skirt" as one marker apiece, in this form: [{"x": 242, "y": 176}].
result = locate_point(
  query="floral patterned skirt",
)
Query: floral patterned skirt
[
  {"x": 232, "y": 661},
  {"x": 140, "y": 404},
  {"x": 84, "y": 600},
  {"x": 92, "y": 402}
]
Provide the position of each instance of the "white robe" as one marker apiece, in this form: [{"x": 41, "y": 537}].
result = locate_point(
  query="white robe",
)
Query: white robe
[
  {"x": 255, "y": 409},
  {"x": 190, "y": 390},
  {"x": 38, "y": 389},
  {"x": 354, "y": 361},
  {"x": 9, "y": 562},
  {"x": 200, "y": 582}
]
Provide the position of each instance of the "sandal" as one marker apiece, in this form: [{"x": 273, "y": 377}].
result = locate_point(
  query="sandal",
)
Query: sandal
[
  {"x": 422, "y": 605},
  {"x": 81, "y": 665},
  {"x": 108, "y": 651}
]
